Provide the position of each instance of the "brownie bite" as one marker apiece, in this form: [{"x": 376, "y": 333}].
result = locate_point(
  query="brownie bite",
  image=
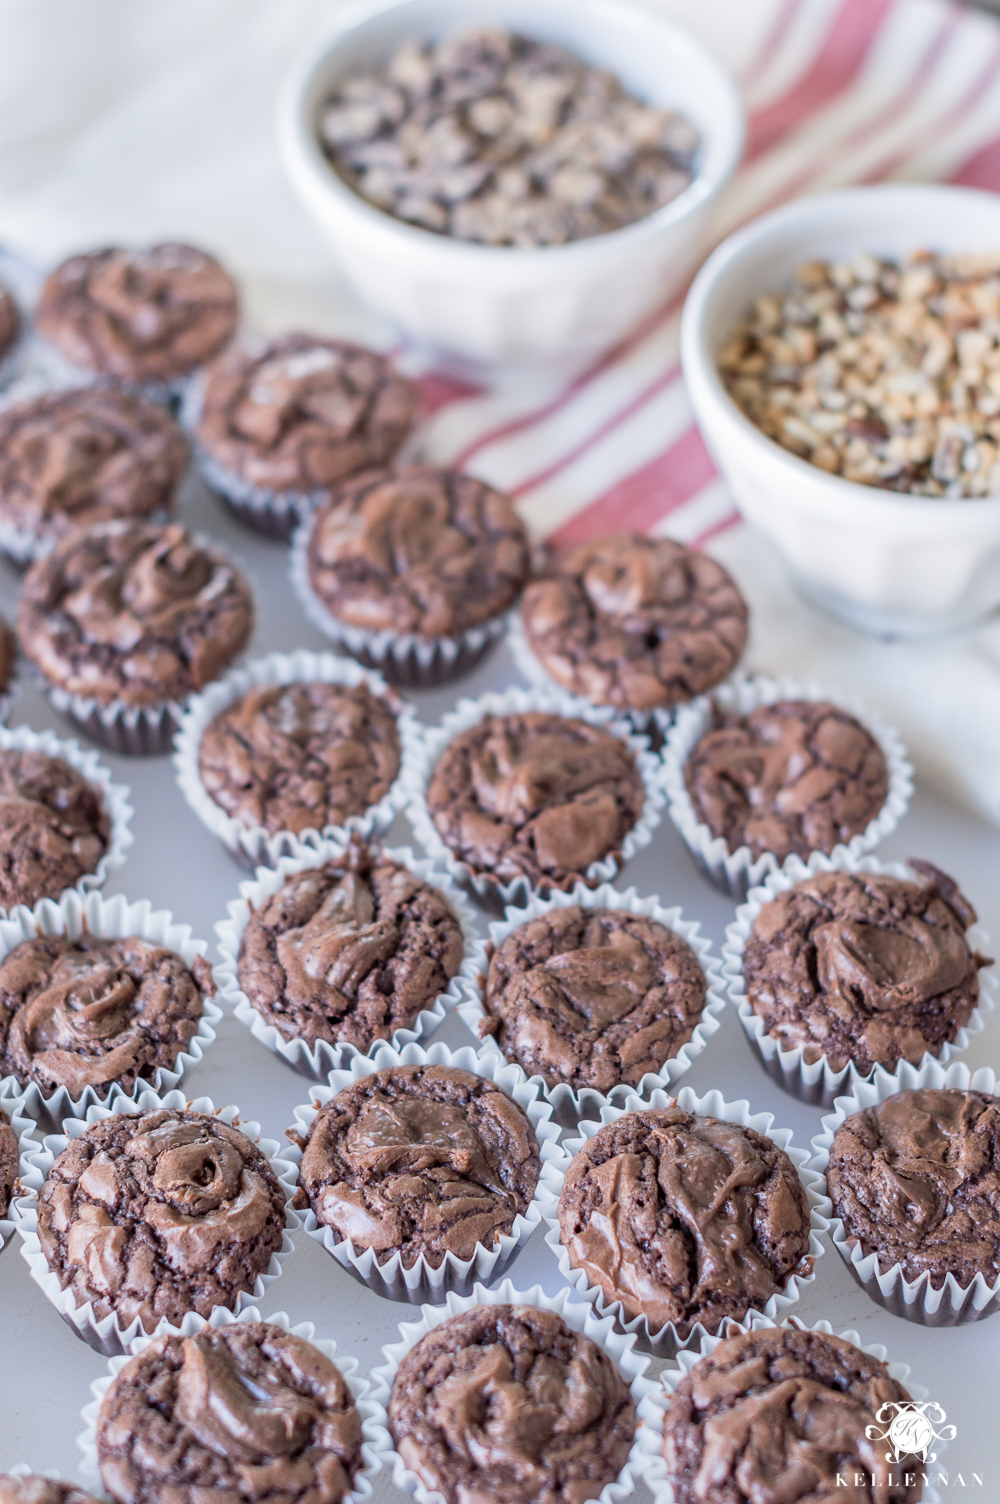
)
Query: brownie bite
[
  {"x": 10, "y": 320},
  {"x": 865, "y": 968},
  {"x": 255, "y": 1414},
  {"x": 416, "y": 550},
  {"x": 537, "y": 795},
  {"x": 147, "y": 317},
  {"x": 592, "y": 997},
  {"x": 95, "y": 1012},
  {"x": 8, "y": 655},
  {"x": 10, "y": 1156},
  {"x": 420, "y": 1160},
  {"x": 155, "y": 1215},
  {"x": 301, "y": 756},
  {"x": 916, "y": 1180},
  {"x": 133, "y": 612},
  {"x": 790, "y": 778},
  {"x": 31, "y": 1488},
  {"x": 350, "y": 951},
  {"x": 70, "y": 459},
  {"x": 784, "y": 1414},
  {"x": 302, "y": 413},
  {"x": 635, "y": 622},
  {"x": 54, "y": 826},
  {"x": 684, "y": 1219}
]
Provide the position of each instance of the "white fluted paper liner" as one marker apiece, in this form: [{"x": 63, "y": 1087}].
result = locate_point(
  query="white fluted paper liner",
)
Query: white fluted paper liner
[
  {"x": 657, "y": 1480},
  {"x": 12, "y": 1103},
  {"x": 316, "y": 1061},
  {"x": 513, "y": 702},
  {"x": 114, "y": 796},
  {"x": 817, "y": 1082},
  {"x": 668, "y": 1340},
  {"x": 421, "y": 1282},
  {"x": 111, "y": 919},
  {"x": 648, "y": 1396},
  {"x": 916, "y": 1300},
  {"x": 106, "y": 1334},
  {"x": 572, "y": 1103},
  {"x": 736, "y": 872},
  {"x": 254, "y": 845},
  {"x": 402, "y": 657},
  {"x": 375, "y": 1437}
]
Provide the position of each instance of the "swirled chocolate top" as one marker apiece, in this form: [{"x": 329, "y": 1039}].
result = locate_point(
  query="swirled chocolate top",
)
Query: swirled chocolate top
[
  {"x": 133, "y": 612},
  {"x": 417, "y": 550},
  {"x": 146, "y": 316},
  {"x": 864, "y": 967},
  {"x": 303, "y": 413},
  {"x": 256, "y": 1413},
  {"x": 93, "y": 1012},
  {"x": 54, "y": 826}
]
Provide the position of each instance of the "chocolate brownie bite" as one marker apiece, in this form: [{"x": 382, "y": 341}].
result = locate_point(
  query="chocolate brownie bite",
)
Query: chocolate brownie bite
[
  {"x": 70, "y": 459},
  {"x": 253, "y": 1412},
  {"x": 31, "y": 1488},
  {"x": 537, "y": 795},
  {"x": 864, "y": 968},
  {"x": 350, "y": 951},
  {"x": 916, "y": 1180},
  {"x": 94, "y": 1012},
  {"x": 684, "y": 1219},
  {"x": 152, "y": 1216},
  {"x": 592, "y": 997},
  {"x": 10, "y": 1162},
  {"x": 420, "y": 1160},
  {"x": 133, "y": 613},
  {"x": 8, "y": 657},
  {"x": 635, "y": 622},
  {"x": 148, "y": 317},
  {"x": 10, "y": 320},
  {"x": 784, "y": 1414},
  {"x": 54, "y": 826},
  {"x": 301, "y": 756},
  {"x": 509, "y": 1403}
]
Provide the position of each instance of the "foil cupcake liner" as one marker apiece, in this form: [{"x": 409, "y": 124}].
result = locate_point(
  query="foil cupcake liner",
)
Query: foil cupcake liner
[
  {"x": 514, "y": 701},
  {"x": 572, "y": 1103},
  {"x": 816, "y": 1081},
  {"x": 403, "y": 658},
  {"x": 375, "y": 1443},
  {"x": 647, "y": 1394},
  {"x": 106, "y": 1334},
  {"x": 255, "y": 846},
  {"x": 657, "y": 1480},
  {"x": 915, "y": 1300},
  {"x": 114, "y": 796},
  {"x": 421, "y": 1282},
  {"x": 318, "y": 1060},
  {"x": 736, "y": 872},
  {"x": 670, "y": 1339},
  {"x": 106, "y": 918},
  {"x": 12, "y": 1103}
]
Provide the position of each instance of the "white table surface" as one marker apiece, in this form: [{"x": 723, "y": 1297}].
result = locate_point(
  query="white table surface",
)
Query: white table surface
[{"x": 175, "y": 863}]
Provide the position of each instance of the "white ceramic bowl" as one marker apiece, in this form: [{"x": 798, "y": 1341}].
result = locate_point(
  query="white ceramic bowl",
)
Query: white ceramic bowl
[
  {"x": 885, "y": 563},
  {"x": 483, "y": 310}
]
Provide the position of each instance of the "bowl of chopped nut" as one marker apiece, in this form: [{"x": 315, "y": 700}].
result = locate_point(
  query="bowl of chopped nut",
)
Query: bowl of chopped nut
[
  {"x": 843, "y": 358},
  {"x": 513, "y": 184}
]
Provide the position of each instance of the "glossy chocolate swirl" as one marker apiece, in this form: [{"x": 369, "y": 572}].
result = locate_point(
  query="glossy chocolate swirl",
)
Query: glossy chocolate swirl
[
  {"x": 256, "y": 1413},
  {"x": 155, "y": 1215},
  {"x": 54, "y": 826}
]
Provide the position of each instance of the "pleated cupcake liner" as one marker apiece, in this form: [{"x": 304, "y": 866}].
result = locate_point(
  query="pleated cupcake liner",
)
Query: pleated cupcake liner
[
  {"x": 375, "y": 1444},
  {"x": 915, "y": 1300},
  {"x": 736, "y": 872},
  {"x": 405, "y": 659},
  {"x": 646, "y": 1393},
  {"x": 571, "y": 1103},
  {"x": 114, "y": 796},
  {"x": 110, "y": 919},
  {"x": 421, "y": 1281},
  {"x": 467, "y": 713},
  {"x": 106, "y": 1334},
  {"x": 12, "y": 1103},
  {"x": 318, "y": 1060},
  {"x": 672, "y": 1338},
  {"x": 817, "y": 1082},
  {"x": 657, "y": 1479},
  {"x": 253, "y": 845}
]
